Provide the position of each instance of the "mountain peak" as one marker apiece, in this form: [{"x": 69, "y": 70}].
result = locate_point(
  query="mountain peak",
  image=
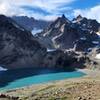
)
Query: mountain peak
[
  {"x": 63, "y": 16},
  {"x": 79, "y": 17},
  {"x": 3, "y": 18},
  {"x": 63, "y": 19}
]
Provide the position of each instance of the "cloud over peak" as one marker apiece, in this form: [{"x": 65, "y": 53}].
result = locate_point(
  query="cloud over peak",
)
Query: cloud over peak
[
  {"x": 37, "y": 8},
  {"x": 92, "y": 13},
  {"x": 49, "y": 9}
]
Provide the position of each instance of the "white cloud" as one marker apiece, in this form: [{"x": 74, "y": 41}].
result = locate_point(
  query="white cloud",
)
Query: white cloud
[
  {"x": 4, "y": 7},
  {"x": 13, "y": 7},
  {"x": 92, "y": 13},
  {"x": 9, "y": 9}
]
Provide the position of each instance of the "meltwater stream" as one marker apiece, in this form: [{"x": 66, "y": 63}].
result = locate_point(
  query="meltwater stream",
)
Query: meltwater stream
[{"x": 24, "y": 77}]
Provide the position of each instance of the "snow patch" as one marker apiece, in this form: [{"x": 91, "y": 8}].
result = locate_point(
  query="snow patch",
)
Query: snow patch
[
  {"x": 77, "y": 20},
  {"x": 98, "y": 33},
  {"x": 17, "y": 26},
  {"x": 83, "y": 38},
  {"x": 2, "y": 69},
  {"x": 35, "y": 31},
  {"x": 57, "y": 25},
  {"x": 98, "y": 56},
  {"x": 89, "y": 49},
  {"x": 84, "y": 24},
  {"x": 95, "y": 42},
  {"x": 50, "y": 50}
]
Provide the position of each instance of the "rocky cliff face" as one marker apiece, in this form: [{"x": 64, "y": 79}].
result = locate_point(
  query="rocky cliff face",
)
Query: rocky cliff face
[
  {"x": 79, "y": 34},
  {"x": 87, "y": 24},
  {"x": 94, "y": 57},
  {"x": 69, "y": 60},
  {"x": 56, "y": 46},
  {"x": 18, "y": 48}
]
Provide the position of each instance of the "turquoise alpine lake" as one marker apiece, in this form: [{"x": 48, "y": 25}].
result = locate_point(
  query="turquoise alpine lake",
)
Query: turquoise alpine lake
[{"x": 16, "y": 79}]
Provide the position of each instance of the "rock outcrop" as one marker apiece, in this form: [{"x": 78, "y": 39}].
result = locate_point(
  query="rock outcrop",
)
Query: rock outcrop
[
  {"x": 18, "y": 48},
  {"x": 79, "y": 34},
  {"x": 56, "y": 46},
  {"x": 94, "y": 57}
]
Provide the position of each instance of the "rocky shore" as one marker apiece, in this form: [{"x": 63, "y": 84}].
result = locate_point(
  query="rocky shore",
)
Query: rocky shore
[{"x": 84, "y": 88}]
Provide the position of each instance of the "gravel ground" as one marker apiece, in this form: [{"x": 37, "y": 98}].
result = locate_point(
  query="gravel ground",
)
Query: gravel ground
[{"x": 84, "y": 88}]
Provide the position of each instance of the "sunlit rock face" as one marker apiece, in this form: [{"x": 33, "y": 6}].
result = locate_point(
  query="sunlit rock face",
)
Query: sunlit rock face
[
  {"x": 56, "y": 46},
  {"x": 19, "y": 49},
  {"x": 78, "y": 34}
]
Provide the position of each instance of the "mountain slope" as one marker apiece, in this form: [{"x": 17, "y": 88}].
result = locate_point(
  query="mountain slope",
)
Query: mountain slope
[
  {"x": 30, "y": 23},
  {"x": 18, "y": 48},
  {"x": 64, "y": 34}
]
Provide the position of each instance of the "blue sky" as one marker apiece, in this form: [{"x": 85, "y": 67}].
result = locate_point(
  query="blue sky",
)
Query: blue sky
[
  {"x": 51, "y": 9},
  {"x": 83, "y": 4}
]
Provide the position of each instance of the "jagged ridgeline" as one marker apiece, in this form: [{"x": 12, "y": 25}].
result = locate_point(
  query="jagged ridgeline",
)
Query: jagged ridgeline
[
  {"x": 80, "y": 34},
  {"x": 30, "y": 23},
  {"x": 55, "y": 46}
]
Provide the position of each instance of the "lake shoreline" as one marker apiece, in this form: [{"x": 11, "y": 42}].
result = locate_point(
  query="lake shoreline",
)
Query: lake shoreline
[
  {"x": 87, "y": 72},
  {"x": 17, "y": 80},
  {"x": 91, "y": 77}
]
